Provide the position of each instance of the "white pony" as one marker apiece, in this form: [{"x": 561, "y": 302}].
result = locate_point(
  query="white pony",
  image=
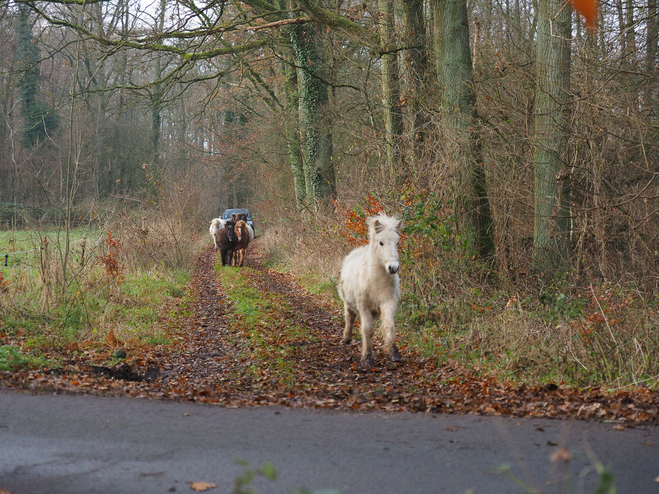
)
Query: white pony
[
  {"x": 216, "y": 225},
  {"x": 370, "y": 286}
]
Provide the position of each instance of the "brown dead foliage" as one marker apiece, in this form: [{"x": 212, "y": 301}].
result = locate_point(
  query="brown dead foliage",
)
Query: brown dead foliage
[{"x": 207, "y": 363}]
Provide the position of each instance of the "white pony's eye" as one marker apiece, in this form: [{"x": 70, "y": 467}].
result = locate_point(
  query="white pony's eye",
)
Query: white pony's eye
[{"x": 381, "y": 243}]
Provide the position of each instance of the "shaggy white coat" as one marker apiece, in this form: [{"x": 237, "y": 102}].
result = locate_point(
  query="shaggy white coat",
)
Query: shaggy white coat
[
  {"x": 370, "y": 286},
  {"x": 216, "y": 225}
]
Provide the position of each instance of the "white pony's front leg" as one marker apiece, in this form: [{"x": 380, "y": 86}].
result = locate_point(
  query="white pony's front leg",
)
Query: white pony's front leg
[
  {"x": 367, "y": 330},
  {"x": 389, "y": 332}
]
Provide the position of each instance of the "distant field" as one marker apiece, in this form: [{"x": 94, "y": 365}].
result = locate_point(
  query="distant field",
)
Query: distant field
[{"x": 19, "y": 246}]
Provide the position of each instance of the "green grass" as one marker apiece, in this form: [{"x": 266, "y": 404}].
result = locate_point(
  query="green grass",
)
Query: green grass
[
  {"x": 12, "y": 359},
  {"x": 18, "y": 240},
  {"x": 39, "y": 312},
  {"x": 23, "y": 246}
]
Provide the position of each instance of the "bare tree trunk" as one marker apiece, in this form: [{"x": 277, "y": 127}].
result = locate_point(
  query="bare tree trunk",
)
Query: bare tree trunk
[
  {"x": 438, "y": 7},
  {"x": 393, "y": 115},
  {"x": 551, "y": 235},
  {"x": 460, "y": 104},
  {"x": 630, "y": 33},
  {"x": 417, "y": 62},
  {"x": 292, "y": 123},
  {"x": 157, "y": 93},
  {"x": 652, "y": 27}
]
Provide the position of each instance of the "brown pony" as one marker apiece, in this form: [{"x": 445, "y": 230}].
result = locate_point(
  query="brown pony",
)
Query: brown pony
[
  {"x": 242, "y": 236},
  {"x": 226, "y": 241}
]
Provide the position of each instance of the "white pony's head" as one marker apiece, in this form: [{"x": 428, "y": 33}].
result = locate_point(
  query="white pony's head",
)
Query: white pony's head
[
  {"x": 383, "y": 236},
  {"x": 216, "y": 225}
]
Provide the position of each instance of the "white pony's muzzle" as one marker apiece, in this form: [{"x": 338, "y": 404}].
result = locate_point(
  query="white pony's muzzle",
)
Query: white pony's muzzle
[{"x": 393, "y": 268}]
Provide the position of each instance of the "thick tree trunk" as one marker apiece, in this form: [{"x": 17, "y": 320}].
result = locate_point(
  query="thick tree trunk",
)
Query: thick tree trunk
[
  {"x": 417, "y": 62},
  {"x": 551, "y": 236},
  {"x": 292, "y": 123},
  {"x": 157, "y": 94},
  {"x": 438, "y": 8},
  {"x": 393, "y": 114},
  {"x": 460, "y": 103},
  {"x": 320, "y": 177}
]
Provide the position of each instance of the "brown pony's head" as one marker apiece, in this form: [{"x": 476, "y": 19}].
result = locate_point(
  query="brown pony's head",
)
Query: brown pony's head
[
  {"x": 241, "y": 230},
  {"x": 229, "y": 227}
]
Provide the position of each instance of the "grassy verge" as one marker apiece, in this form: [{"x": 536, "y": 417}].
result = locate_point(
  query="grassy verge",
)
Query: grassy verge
[
  {"x": 262, "y": 325},
  {"x": 98, "y": 297},
  {"x": 593, "y": 336}
]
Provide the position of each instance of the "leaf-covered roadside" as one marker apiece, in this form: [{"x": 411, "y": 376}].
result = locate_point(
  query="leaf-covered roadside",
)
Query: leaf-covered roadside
[{"x": 253, "y": 337}]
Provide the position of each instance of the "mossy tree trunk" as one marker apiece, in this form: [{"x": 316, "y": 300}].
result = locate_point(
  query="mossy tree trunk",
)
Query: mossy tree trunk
[
  {"x": 438, "y": 8},
  {"x": 393, "y": 114},
  {"x": 460, "y": 105},
  {"x": 319, "y": 174},
  {"x": 417, "y": 66},
  {"x": 551, "y": 235},
  {"x": 39, "y": 118},
  {"x": 292, "y": 123}
]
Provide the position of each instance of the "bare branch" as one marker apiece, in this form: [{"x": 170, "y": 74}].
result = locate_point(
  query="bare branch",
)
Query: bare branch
[
  {"x": 64, "y": 2},
  {"x": 284, "y": 22},
  {"x": 327, "y": 18}
]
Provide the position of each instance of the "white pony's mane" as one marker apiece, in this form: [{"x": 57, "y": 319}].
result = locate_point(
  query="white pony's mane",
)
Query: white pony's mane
[{"x": 385, "y": 222}]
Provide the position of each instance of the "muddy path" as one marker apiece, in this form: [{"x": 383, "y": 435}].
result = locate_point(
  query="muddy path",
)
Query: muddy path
[{"x": 209, "y": 362}]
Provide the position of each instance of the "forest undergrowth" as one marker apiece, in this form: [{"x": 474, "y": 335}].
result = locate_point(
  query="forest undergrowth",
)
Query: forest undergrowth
[{"x": 513, "y": 325}]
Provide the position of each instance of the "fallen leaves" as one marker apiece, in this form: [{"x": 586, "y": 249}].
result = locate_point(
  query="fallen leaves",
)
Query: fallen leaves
[
  {"x": 202, "y": 486},
  {"x": 111, "y": 339},
  {"x": 561, "y": 454}
]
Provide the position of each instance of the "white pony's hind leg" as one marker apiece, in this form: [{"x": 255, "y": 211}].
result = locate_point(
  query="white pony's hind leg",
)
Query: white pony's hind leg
[
  {"x": 367, "y": 330},
  {"x": 349, "y": 316}
]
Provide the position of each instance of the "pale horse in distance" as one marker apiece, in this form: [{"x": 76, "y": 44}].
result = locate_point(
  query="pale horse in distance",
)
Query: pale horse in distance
[
  {"x": 370, "y": 286},
  {"x": 216, "y": 225}
]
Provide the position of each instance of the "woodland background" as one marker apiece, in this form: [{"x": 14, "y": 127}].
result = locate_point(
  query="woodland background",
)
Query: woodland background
[{"x": 519, "y": 147}]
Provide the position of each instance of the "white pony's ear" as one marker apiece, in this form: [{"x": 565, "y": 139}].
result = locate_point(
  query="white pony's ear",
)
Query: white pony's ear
[
  {"x": 374, "y": 226},
  {"x": 398, "y": 226}
]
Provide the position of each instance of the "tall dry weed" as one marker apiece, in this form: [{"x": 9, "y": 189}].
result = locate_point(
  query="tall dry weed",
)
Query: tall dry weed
[{"x": 311, "y": 249}]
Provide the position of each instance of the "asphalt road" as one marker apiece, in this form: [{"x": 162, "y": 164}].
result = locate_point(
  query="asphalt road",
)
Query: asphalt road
[{"x": 85, "y": 444}]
